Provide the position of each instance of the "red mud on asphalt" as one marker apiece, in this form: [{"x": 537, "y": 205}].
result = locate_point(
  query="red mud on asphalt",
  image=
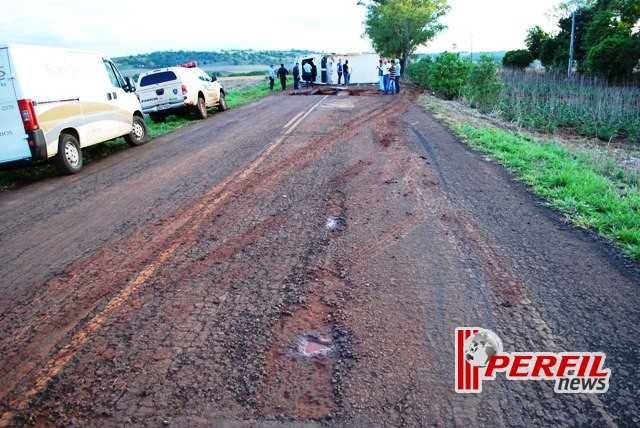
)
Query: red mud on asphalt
[
  {"x": 319, "y": 285},
  {"x": 59, "y": 333},
  {"x": 354, "y": 91}
]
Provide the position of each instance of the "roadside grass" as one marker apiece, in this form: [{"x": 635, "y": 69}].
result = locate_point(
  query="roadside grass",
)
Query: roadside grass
[
  {"x": 14, "y": 175},
  {"x": 248, "y": 73},
  {"x": 249, "y": 94},
  {"x": 592, "y": 194}
]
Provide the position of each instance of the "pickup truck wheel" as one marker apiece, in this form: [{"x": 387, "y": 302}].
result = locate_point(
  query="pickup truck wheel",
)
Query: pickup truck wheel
[
  {"x": 139, "y": 132},
  {"x": 222, "y": 104},
  {"x": 157, "y": 117},
  {"x": 201, "y": 108},
  {"x": 69, "y": 157}
]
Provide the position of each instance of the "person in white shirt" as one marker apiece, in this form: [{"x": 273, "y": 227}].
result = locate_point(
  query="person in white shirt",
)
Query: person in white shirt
[
  {"x": 380, "y": 74},
  {"x": 385, "y": 75},
  {"x": 306, "y": 73},
  {"x": 272, "y": 76},
  {"x": 398, "y": 68}
]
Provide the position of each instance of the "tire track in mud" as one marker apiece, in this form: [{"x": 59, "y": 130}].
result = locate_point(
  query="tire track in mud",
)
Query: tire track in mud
[
  {"x": 491, "y": 270},
  {"x": 381, "y": 170},
  {"x": 507, "y": 288},
  {"x": 389, "y": 134},
  {"x": 312, "y": 347},
  {"x": 382, "y": 309},
  {"x": 309, "y": 340},
  {"x": 307, "y": 404},
  {"x": 175, "y": 234}
]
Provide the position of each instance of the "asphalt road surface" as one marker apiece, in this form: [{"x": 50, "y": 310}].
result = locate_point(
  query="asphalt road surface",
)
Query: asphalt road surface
[{"x": 301, "y": 261}]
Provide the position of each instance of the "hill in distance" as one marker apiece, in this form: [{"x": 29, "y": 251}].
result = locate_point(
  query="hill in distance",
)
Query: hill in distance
[{"x": 225, "y": 57}]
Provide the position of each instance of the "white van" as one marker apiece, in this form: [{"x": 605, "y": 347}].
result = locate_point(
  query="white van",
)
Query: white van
[{"x": 54, "y": 101}]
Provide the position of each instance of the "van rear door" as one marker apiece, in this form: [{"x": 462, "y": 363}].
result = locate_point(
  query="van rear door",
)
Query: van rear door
[{"x": 13, "y": 138}]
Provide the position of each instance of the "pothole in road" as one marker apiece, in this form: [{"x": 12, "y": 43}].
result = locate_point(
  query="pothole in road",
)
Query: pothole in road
[
  {"x": 335, "y": 223},
  {"x": 311, "y": 345}
]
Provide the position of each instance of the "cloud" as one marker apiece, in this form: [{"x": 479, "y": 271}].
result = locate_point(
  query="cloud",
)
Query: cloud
[
  {"x": 491, "y": 25},
  {"x": 123, "y": 27}
]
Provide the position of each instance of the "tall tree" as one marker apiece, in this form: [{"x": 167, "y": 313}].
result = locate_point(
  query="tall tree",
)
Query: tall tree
[
  {"x": 397, "y": 27},
  {"x": 520, "y": 58},
  {"x": 607, "y": 38},
  {"x": 536, "y": 36},
  {"x": 613, "y": 48}
]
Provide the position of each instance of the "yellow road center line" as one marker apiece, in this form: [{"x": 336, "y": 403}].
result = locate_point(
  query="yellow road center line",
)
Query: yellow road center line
[{"x": 293, "y": 120}]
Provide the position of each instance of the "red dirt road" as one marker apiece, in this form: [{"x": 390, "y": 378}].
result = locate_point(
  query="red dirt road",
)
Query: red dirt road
[{"x": 301, "y": 261}]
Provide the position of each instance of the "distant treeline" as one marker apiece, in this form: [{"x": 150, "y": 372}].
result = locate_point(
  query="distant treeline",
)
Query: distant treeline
[
  {"x": 496, "y": 55},
  {"x": 234, "y": 57},
  {"x": 230, "y": 57}
]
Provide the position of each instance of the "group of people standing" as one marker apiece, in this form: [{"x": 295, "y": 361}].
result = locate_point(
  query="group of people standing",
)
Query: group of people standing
[
  {"x": 389, "y": 75},
  {"x": 344, "y": 69},
  {"x": 282, "y": 74},
  {"x": 307, "y": 74}
]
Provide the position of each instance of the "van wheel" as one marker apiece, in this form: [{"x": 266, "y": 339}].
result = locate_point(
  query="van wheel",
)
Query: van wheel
[
  {"x": 201, "y": 109},
  {"x": 69, "y": 157},
  {"x": 139, "y": 132},
  {"x": 222, "y": 104}
]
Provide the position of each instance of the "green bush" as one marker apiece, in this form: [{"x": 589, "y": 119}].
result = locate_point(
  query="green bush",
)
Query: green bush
[
  {"x": 484, "y": 88},
  {"x": 418, "y": 72},
  {"x": 448, "y": 74},
  {"x": 520, "y": 58},
  {"x": 554, "y": 54},
  {"x": 614, "y": 57}
]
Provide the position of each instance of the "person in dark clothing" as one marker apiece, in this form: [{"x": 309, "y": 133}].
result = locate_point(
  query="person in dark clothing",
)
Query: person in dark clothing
[
  {"x": 347, "y": 72},
  {"x": 282, "y": 74},
  {"x": 296, "y": 76}
]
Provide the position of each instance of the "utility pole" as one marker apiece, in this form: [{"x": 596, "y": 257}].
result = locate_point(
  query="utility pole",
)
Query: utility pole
[
  {"x": 471, "y": 37},
  {"x": 573, "y": 31}
]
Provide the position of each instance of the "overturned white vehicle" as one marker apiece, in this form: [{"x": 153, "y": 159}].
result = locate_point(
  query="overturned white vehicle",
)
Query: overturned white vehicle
[{"x": 324, "y": 70}]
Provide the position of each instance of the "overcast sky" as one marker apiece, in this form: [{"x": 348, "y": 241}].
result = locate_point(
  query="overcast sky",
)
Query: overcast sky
[{"x": 128, "y": 27}]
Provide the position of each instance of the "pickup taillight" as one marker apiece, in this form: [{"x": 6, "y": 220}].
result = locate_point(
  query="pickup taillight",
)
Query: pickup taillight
[
  {"x": 184, "y": 91},
  {"x": 29, "y": 119}
]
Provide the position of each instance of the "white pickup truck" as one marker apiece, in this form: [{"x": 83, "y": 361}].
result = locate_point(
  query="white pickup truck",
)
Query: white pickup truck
[{"x": 173, "y": 90}]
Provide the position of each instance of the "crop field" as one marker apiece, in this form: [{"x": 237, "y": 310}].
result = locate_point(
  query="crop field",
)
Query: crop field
[{"x": 588, "y": 106}]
